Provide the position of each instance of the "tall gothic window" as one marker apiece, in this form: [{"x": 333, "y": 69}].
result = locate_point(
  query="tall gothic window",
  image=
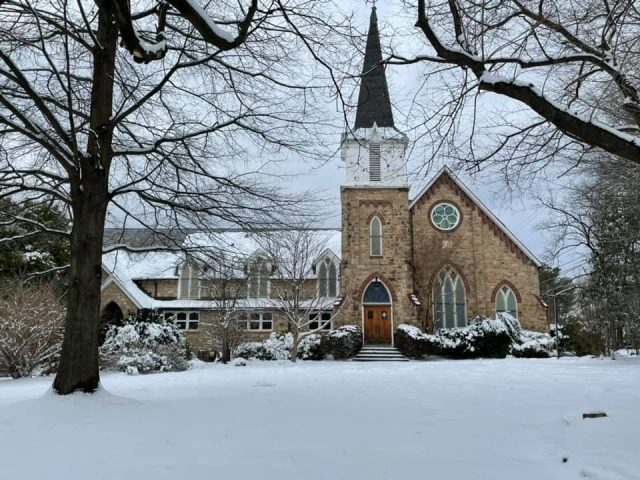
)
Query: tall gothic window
[
  {"x": 189, "y": 282},
  {"x": 506, "y": 301},
  {"x": 449, "y": 300},
  {"x": 375, "y": 237},
  {"x": 259, "y": 273},
  {"x": 374, "y": 162},
  {"x": 327, "y": 279}
]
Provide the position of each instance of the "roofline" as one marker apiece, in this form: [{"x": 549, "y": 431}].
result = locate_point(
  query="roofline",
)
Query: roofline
[
  {"x": 480, "y": 205},
  {"x": 113, "y": 279}
]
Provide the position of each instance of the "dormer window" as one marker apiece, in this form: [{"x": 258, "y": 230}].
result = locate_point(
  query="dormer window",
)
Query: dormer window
[
  {"x": 327, "y": 279},
  {"x": 374, "y": 162},
  {"x": 375, "y": 237},
  {"x": 259, "y": 274},
  {"x": 189, "y": 282}
]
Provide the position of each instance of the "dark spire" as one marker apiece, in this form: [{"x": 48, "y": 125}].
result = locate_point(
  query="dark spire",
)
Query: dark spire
[{"x": 373, "y": 101}]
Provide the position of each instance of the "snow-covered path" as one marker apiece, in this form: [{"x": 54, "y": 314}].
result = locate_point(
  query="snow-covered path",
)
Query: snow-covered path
[{"x": 487, "y": 419}]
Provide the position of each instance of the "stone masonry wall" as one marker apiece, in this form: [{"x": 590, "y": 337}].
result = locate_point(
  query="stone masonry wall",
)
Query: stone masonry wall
[
  {"x": 166, "y": 288},
  {"x": 113, "y": 293},
  {"x": 393, "y": 268},
  {"x": 481, "y": 253}
]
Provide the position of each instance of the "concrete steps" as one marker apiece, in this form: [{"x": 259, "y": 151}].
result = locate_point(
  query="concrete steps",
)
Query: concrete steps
[{"x": 379, "y": 353}]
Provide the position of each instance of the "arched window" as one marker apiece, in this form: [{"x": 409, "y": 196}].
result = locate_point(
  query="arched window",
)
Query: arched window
[
  {"x": 449, "y": 300},
  {"x": 259, "y": 274},
  {"x": 189, "y": 282},
  {"x": 506, "y": 301},
  {"x": 375, "y": 237},
  {"x": 376, "y": 293},
  {"x": 327, "y": 279}
]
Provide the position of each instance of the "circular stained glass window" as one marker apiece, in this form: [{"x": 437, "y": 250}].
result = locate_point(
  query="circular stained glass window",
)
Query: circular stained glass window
[{"x": 445, "y": 216}]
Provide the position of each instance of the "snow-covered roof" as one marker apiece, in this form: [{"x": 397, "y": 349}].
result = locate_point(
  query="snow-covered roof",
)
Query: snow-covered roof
[
  {"x": 232, "y": 247},
  {"x": 480, "y": 205},
  {"x": 142, "y": 265}
]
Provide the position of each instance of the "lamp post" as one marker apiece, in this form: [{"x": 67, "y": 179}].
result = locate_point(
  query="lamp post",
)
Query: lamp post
[{"x": 555, "y": 316}]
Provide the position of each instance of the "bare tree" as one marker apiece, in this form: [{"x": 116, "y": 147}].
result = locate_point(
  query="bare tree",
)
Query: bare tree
[
  {"x": 226, "y": 284},
  {"x": 572, "y": 64},
  {"x": 177, "y": 141},
  {"x": 294, "y": 286},
  {"x": 31, "y": 327}
]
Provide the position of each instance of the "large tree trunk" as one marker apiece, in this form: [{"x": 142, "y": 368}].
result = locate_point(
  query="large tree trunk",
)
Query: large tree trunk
[{"x": 78, "y": 369}]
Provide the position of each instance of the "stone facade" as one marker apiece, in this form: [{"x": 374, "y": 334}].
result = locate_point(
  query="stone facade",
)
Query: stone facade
[
  {"x": 359, "y": 268},
  {"x": 479, "y": 250},
  {"x": 113, "y": 293},
  {"x": 199, "y": 339}
]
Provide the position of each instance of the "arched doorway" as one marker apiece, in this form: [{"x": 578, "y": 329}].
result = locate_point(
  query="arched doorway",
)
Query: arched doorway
[
  {"x": 111, "y": 315},
  {"x": 376, "y": 308}
]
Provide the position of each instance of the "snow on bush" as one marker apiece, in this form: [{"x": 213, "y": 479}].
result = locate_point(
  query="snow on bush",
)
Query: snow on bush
[
  {"x": 278, "y": 347},
  {"x": 31, "y": 329},
  {"x": 484, "y": 337},
  {"x": 145, "y": 346},
  {"x": 343, "y": 343}
]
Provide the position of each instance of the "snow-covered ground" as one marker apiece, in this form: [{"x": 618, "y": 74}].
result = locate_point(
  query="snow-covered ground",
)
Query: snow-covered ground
[{"x": 484, "y": 419}]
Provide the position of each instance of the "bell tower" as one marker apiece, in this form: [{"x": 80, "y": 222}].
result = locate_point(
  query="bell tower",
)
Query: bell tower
[{"x": 377, "y": 273}]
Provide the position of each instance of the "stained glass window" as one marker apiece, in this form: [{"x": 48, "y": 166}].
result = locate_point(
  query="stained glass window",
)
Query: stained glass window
[
  {"x": 449, "y": 300},
  {"x": 506, "y": 301},
  {"x": 445, "y": 216}
]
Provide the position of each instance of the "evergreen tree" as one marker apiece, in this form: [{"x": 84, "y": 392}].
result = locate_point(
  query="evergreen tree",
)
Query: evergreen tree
[
  {"x": 33, "y": 239},
  {"x": 615, "y": 279}
]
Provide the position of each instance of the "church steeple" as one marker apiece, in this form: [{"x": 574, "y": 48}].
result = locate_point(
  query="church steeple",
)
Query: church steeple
[{"x": 374, "y": 105}]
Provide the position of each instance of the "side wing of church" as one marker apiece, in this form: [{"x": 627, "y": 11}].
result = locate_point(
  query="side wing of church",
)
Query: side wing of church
[{"x": 435, "y": 262}]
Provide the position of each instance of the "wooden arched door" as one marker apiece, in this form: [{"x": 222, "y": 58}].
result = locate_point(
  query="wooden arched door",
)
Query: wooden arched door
[
  {"x": 377, "y": 313},
  {"x": 377, "y": 323}
]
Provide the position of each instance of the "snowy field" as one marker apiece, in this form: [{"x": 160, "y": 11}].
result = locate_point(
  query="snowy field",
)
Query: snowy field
[{"x": 488, "y": 419}]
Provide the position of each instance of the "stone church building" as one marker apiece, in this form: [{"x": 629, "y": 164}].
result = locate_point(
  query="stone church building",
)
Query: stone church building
[{"x": 435, "y": 261}]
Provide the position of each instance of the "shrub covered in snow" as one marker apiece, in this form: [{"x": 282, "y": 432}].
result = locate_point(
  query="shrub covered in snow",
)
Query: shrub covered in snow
[
  {"x": 309, "y": 348},
  {"x": 343, "y": 343},
  {"x": 413, "y": 343},
  {"x": 278, "y": 347},
  {"x": 145, "y": 346},
  {"x": 484, "y": 337},
  {"x": 533, "y": 345},
  {"x": 31, "y": 328}
]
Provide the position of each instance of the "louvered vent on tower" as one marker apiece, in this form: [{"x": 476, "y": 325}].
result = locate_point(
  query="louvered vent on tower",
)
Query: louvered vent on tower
[{"x": 374, "y": 162}]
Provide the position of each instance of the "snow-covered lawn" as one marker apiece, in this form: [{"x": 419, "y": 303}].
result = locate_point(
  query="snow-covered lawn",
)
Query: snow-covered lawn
[{"x": 484, "y": 419}]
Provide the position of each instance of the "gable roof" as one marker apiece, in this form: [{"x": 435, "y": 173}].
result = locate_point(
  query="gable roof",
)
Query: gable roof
[{"x": 496, "y": 225}]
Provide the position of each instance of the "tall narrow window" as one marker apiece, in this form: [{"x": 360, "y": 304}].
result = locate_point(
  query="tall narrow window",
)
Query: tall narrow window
[
  {"x": 333, "y": 280},
  {"x": 259, "y": 273},
  {"x": 374, "y": 162},
  {"x": 375, "y": 237},
  {"x": 327, "y": 279},
  {"x": 449, "y": 300},
  {"x": 506, "y": 301},
  {"x": 189, "y": 282}
]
